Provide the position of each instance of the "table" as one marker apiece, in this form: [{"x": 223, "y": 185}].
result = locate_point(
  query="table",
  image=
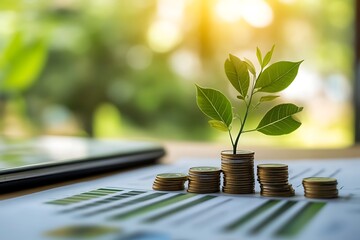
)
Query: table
[{"x": 176, "y": 150}]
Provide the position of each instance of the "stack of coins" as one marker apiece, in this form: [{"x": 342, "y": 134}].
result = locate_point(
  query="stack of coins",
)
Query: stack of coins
[
  {"x": 238, "y": 172},
  {"x": 169, "y": 182},
  {"x": 204, "y": 180},
  {"x": 273, "y": 179},
  {"x": 320, "y": 187}
]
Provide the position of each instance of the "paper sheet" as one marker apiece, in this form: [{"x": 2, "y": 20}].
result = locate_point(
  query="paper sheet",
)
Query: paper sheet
[{"x": 123, "y": 206}]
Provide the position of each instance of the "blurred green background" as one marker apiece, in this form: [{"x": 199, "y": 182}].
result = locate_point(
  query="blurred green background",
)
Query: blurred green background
[{"x": 127, "y": 68}]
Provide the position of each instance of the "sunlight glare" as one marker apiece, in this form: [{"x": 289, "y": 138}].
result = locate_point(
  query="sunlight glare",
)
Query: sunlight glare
[
  {"x": 257, "y": 13},
  {"x": 228, "y": 10},
  {"x": 186, "y": 64},
  {"x": 171, "y": 10},
  {"x": 299, "y": 89},
  {"x": 163, "y": 36},
  {"x": 287, "y": 1}
]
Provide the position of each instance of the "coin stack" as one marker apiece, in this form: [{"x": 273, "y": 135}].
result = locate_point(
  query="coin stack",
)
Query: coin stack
[
  {"x": 320, "y": 187},
  {"x": 238, "y": 172},
  {"x": 204, "y": 180},
  {"x": 273, "y": 179},
  {"x": 169, "y": 182}
]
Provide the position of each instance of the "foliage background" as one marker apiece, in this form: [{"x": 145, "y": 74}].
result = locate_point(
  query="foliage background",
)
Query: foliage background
[{"x": 117, "y": 68}]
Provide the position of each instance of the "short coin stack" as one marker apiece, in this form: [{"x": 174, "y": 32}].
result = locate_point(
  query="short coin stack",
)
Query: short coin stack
[
  {"x": 320, "y": 187},
  {"x": 169, "y": 182},
  {"x": 204, "y": 180},
  {"x": 273, "y": 179},
  {"x": 238, "y": 172}
]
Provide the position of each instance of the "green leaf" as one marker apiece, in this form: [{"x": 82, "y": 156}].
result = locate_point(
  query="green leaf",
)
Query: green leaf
[
  {"x": 214, "y": 104},
  {"x": 277, "y": 76},
  {"x": 267, "y": 57},
  {"x": 238, "y": 75},
  {"x": 250, "y": 66},
  {"x": 268, "y": 98},
  {"x": 259, "y": 56},
  {"x": 219, "y": 125},
  {"x": 279, "y": 120},
  {"x": 11, "y": 50},
  {"x": 21, "y": 64}
]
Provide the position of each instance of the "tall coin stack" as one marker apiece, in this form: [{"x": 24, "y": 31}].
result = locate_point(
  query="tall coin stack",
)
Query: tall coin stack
[
  {"x": 204, "y": 180},
  {"x": 273, "y": 179},
  {"x": 169, "y": 182},
  {"x": 238, "y": 170},
  {"x": 320, "y": 187}
]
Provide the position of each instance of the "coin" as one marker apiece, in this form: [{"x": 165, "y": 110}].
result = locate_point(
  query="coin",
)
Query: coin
[
  {"x": 235, "y": 191},
  {"x": 320, "y": 180},
  {"x": 273, "y": 166},
  {"x": 204, "y": 169},
  {"x": 169, "y": 182},
  {"x": 320, "y": 187},
  {"x": 238, "y": 153},
  {"x": 204, "y": 179},
  {"x": 273, "y": 179},
  {"x": 172, "y": 175},
  {"x": 238, "y": 172}
]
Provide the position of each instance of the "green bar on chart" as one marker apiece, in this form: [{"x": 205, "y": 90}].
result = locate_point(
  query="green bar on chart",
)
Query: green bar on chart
[
  {"x": 178, "y": 209},
  {"x": 249, "y": 216},
  {"x": 153, "y": 206},
  {"x": 299, "y": 221}
]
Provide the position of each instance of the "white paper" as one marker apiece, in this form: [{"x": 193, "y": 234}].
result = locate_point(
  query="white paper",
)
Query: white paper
[{"x": 126, "y": 207}]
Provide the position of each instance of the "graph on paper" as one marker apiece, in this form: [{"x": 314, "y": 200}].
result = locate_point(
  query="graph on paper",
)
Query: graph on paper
[{"x": 124, "y": 207}]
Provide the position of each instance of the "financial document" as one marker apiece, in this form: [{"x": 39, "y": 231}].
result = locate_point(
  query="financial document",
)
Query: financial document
[{"x": 124, "y": 206}]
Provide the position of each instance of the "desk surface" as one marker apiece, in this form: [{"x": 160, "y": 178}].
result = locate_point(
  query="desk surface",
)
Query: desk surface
[{"x": 177, "y": 150}]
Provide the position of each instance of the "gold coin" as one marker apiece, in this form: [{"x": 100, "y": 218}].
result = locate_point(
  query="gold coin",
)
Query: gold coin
[
  {"x": 272, "y": 166},
  {"x": 171, "y": 176},
  {"x": 321, "y": 197},
  {"x": 287, "y": 186},
  {"x": 203, "y": 188},
  {"x": 272, "y": 175},
  {"x": 328, "y": 188},
  {"x": 239, "y": 186},
  {"x": 277, "y": 195},
  {"x": 204, "y": 169},
  {"x": 238, "y": 152},
  {"x": 204, "y": 176},
  {"x": 250, "y": 191},
  {"x": 320, "y": 180},
  {"x": 272, "y": 169},
  {"x": 267, "y": 172},
  {"x": 237, "y": 166},
  {"x": 227, "y": 188},
  {"x": 242, "y": 173},
  {"x": 242, "y": 162}
]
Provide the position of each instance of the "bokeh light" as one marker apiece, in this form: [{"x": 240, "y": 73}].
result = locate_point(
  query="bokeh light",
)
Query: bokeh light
[{"x": 128, "y": 68}]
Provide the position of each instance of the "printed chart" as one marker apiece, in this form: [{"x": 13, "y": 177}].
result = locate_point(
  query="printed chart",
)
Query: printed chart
[{"x": 124, "y": 207}]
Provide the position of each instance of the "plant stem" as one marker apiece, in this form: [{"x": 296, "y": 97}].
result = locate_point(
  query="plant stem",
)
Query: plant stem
[
  {"x": 231, "y": 138},
  {"x": 248, "y": 105},
  {"x": 243, "y": 124}
]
